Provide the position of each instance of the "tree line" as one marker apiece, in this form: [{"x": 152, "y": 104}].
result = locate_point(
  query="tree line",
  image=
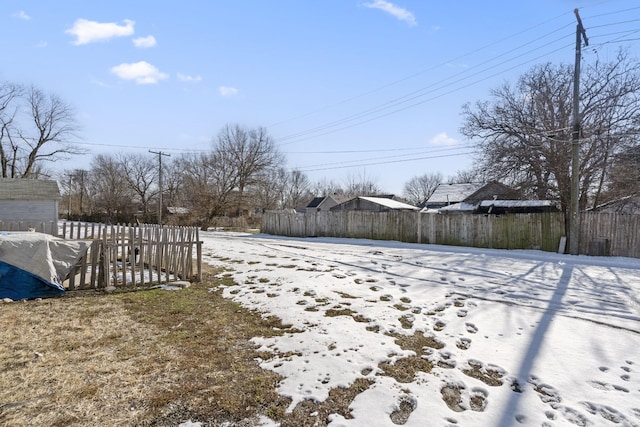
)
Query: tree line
[
  {"x": 243, "y": 174},
  {"x": 522, "y": 135}
]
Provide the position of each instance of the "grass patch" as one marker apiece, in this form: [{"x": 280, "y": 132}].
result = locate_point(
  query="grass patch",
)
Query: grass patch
[
  {"x": 417, "y": 342},
  {"x": 309, "y": 413},
  {"x": 405, "y": 369},
  {"x": 143, "y": 358}
]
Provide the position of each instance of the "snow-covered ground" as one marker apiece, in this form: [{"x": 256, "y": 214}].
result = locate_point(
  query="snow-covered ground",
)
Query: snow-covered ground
[{"x": 528, "y": 338}]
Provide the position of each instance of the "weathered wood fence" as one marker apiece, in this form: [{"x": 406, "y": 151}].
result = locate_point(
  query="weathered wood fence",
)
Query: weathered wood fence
[
  {"x": 620, "y": 234},
  {"x": 130, "y": 256},
  {"x": 50, "y": 227}
]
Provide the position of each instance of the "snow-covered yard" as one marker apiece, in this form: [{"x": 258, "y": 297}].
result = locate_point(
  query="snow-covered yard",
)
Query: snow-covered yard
[{"x": 515, "y": 337}]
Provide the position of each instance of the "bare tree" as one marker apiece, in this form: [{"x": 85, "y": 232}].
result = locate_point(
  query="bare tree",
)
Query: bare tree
[
  {"x": 297, "y": 189},
  {"x": 10, "y": 93},
  {"x": 35, "y": 127},
  {"x": 207, "y": 182},
  {"x": 269, "y": 190},
  {"x": 420, "y": 188},
  {"x": 326, "y": 187},
  {"x": 141, "y": 174},
  {"x": 361, "y": 185},
  {"x": 112, "y": 193},
  {"x": 524, "y": 132},
  {"x": 249, "y": 153}
]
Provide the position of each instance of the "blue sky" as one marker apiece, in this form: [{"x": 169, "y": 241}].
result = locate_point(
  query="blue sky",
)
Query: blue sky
[{"x": 347, "y": 88}]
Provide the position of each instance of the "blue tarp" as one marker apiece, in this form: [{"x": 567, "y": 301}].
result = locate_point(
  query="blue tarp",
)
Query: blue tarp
[
  {"x": 18, "y": 284},
  {"x": 35, "y": 265}
]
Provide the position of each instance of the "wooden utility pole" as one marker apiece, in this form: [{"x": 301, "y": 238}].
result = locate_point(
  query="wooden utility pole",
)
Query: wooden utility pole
[
  {"x": 574, "y": 214},
  {"x": 160, "y": 154}
]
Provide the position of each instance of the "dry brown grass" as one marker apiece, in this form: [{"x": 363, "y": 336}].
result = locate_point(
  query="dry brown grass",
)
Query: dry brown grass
[{"x": 147, "y": 358}]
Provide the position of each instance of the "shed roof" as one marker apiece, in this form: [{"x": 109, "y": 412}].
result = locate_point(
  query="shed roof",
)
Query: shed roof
[
  {"x": 518, "y": 203},
  {"x": 453, "y": 193},
  {"x": 389, "y": 203},
  {"x": 29, "y": 189}
]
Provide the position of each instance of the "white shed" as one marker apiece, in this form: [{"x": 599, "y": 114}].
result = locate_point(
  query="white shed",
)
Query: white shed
[{"x": 29, "y": 203}]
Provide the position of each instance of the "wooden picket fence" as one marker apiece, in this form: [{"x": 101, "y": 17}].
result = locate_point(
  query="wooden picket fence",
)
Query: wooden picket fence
[{"x": 131, "y": 256}]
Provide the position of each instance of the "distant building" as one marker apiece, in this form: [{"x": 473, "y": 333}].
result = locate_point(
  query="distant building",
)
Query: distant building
[
  {"x": 323, "y": 203},
  {"x": 30, "y": 202},
  {"x": 373, "y": 204},
  {"x": 491, "y": 198},
  {"x": 449, "y": 194},
  {"x": 623, "y": 205}
]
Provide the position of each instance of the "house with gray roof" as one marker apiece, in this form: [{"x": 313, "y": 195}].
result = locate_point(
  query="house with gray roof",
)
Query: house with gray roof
[{"x": 29, "y": 203}]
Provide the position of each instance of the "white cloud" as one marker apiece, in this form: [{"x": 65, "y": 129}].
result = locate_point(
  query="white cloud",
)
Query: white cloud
[
  {"x": 442, "y": 139},
  {"x": 141, "y": 72},
  {"x": 143, "y": 42},
  {"x": 393, "y": 10},
  {"x": 189, "y": 79},
  {"x": 90, "y": 31},
  {"x": 227, "y": 91},
  {"x": 22, "y": 15},
  {"x": 41, "y": 44}
]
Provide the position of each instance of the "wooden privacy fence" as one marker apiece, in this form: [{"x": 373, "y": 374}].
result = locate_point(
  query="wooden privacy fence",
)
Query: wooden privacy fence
[
  {"x": 619, "y": 234},
  {"x": 541, "y": 231},
  {"x": 129, "y": 256}
]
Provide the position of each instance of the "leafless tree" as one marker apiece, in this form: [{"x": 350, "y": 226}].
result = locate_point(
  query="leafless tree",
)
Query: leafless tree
[
  {"x": 419, "y": 188},
  {"x": 297, "y": 189},
  {"x": 624, "y": 176},
  {"x": 326, "y": 187},
  {"x": 207, "y": 184},
  {"x": 524, "y": 132},
  {"x": 35, "y": 127},
  {"x": 249, "y": 153},
  {"x": 113, "y": 196},
  {"x": 141, "y": 173},
  {"x": 268, "y": 192},
  {"x": 361, "y": 185}
]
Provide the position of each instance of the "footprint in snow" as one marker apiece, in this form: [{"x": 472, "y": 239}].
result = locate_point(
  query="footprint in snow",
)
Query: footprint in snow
[
  {"x": 607, "y": 412},
  {"x": 463, "y": 343},
  {"x": 606, "y": 386},
  {"x": 457, "y": 398},
  {"x": 403, "y": 410},
  {"x": 471, "y": 328}
]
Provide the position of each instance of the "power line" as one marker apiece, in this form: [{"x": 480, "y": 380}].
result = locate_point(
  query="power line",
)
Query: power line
[{"x": 384, "y": 163}]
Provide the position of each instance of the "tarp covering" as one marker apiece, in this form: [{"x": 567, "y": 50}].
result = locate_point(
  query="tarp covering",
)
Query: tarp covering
[{"x": 34, "y": 265}]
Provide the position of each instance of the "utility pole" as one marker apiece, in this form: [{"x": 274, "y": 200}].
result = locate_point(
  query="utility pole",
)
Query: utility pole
[
  {"x": 574, "y": 214},
  {"x": 160, "y": 154}
]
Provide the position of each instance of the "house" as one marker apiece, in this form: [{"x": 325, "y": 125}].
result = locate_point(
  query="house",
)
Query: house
[
  {"x": 323, "y": 203},
  {"x": 449, "y": 194},
  {"x": 491, "y": 198},
  {"x": 623, "y": 205},
  {"x": 29, "y": 203},
  {"x": 372, "y": 204}
]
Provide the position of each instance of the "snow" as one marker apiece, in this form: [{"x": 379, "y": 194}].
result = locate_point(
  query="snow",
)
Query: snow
[
  {"x": 517, "y": 203},
  {"x": 560, "y": 332},
  {"x": 389, "y": 203}
]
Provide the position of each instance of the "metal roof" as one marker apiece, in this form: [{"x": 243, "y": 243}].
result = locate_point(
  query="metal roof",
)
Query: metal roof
[
  {"x": 29, "y": 189},
  {"x": 389, "y": 203}
]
